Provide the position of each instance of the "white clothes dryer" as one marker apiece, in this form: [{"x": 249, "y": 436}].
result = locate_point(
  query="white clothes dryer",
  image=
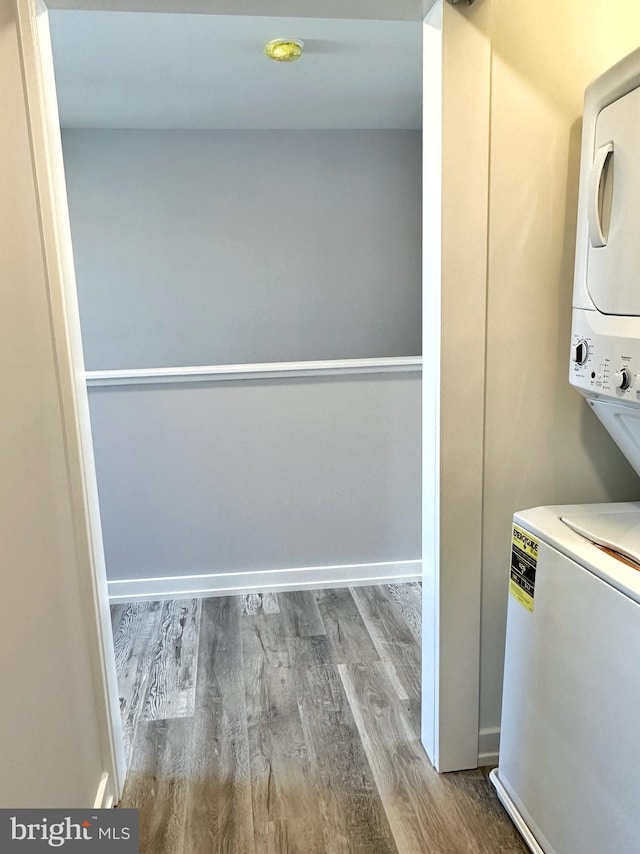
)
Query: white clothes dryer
[{"x": 605, "y": 358}]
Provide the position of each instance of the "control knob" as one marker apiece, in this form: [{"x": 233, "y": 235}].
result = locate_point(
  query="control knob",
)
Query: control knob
[
  {"x": 580, "y": 352},
  {"x": 622, "y": 379}
]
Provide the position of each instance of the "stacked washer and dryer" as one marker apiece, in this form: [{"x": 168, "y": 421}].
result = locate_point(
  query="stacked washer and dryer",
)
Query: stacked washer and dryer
[{"x": 569, "y": 772}]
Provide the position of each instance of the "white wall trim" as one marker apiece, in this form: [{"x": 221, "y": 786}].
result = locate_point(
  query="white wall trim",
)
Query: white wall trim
[
  {"x": 514, "y": 813},
  {"x": 453, "y": 553},
  {"x": 488, "y": 746},
  {"x": 258, "y": 581},
  {"x": 431, "y": 331},
  {"x": 50, "y": 193},
  {"x": 267, "y": 370},
  {"x": 101, "y": 794}
]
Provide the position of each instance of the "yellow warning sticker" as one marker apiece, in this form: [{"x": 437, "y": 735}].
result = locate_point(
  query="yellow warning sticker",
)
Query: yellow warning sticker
[{"x": 524, "y": 560}]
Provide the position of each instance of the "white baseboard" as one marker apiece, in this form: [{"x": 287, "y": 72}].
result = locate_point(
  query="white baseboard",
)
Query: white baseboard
[
  {"x": 488, "y": 746},
  {"x": 515, "y": 815},
  {"x": 269, "y": 580}
]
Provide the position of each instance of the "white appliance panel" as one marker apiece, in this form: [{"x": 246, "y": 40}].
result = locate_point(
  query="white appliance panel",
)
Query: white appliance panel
[
  {"x": 606, "y": 356},
  {"x": 609, "y": 345},
  {"x": 613, "y": 209},
  {"x": 570, "y": 733},
  {"x": 618, "y": 532},
  {"x": 623, "y": 425}
]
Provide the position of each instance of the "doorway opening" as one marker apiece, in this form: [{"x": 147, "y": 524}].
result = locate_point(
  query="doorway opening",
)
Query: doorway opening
[{"x": 249, "y": 292}]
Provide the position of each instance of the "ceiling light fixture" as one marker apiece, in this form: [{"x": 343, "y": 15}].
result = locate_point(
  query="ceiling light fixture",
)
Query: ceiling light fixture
[{"x": 284, "y": 50}]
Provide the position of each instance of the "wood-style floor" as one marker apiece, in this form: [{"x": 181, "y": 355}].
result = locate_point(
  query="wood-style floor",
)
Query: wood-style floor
[{"x": 290, "y": 723}]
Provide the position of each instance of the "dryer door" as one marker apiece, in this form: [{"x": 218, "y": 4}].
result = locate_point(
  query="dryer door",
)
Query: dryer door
[{"x": 613, "y": 255}]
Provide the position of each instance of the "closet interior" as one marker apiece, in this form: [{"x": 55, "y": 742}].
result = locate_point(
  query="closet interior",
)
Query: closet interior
[{"x": 247, "y": 245}]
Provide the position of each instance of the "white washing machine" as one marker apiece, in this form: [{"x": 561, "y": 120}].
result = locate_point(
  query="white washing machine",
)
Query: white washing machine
[{"x": 569, "y": 772}]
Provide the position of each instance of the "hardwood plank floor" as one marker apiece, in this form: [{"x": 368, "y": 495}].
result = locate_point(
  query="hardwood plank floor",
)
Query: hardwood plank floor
[
  {"x": 408, "y": 598},
  {"x": 354, "y": 817},
  {"x": 276, "y": 723},
  {"x": 301, "y": 615},
  {"x": 172, "y": 680},
  {"x": 259, "y": 603},
  {"x": 279, "y": 759},
  {"x": 397, "y": 646},
  {"x": 219, "y": 813},
  {"x": 157, "y": 783},
  {"x": 135, "y": 632},
  {"x": 347, "y": 632},
  {"x": 417, "y": 813}
]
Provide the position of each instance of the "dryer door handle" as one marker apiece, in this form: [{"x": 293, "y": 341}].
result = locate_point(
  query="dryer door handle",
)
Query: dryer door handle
[{"x": 596, "y": 237}]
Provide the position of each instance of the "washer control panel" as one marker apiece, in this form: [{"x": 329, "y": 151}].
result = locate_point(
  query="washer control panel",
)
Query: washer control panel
[{"x": 605, "y": 356}]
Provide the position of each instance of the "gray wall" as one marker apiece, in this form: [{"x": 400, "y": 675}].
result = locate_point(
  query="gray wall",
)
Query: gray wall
[
  {"x": 186, "y": 255},
  {"x": 255, "y": 475},
  {"x": 223, "y": 247}
]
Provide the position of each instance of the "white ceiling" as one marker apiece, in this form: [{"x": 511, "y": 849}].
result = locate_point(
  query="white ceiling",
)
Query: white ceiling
[{"x": 141, "y": 70}]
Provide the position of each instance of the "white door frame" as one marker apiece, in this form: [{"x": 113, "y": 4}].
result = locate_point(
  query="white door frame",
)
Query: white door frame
[
  {"x": 452, "y": 501},
  {"x": 51, "y": 199},
  {"x": 457, "y": 74}
]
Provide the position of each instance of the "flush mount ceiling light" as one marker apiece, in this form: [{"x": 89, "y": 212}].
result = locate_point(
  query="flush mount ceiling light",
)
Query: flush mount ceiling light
[{"x": 284, "y": 50}]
